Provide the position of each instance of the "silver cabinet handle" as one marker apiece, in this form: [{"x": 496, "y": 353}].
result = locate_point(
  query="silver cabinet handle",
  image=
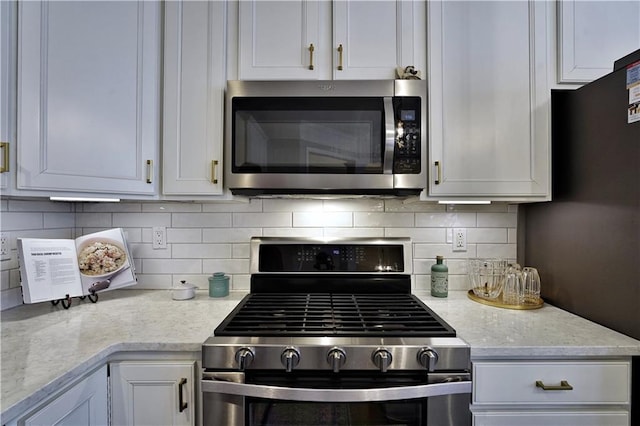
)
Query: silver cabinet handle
[
  {"x": 439, "y": 173},
  {"x": 340, "y": 50},
  {"x": 334, "y": 395}
]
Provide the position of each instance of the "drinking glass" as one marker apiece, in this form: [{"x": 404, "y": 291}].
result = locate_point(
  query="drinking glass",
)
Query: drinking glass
[
  {"x": 487, "y": 276},
  {"x": 531, "y": 283},
  {"x": 513, "y": 292}
]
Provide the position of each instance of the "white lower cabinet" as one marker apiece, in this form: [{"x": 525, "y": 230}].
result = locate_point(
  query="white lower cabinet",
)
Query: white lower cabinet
[
  {"x": 567, "y": 392},
  {"x": 85, "y": 403},
  {"x": 153, "y": 393}
]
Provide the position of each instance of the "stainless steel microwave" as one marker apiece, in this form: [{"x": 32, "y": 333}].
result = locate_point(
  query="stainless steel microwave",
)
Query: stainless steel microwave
[{"x": 361, "y": 137}]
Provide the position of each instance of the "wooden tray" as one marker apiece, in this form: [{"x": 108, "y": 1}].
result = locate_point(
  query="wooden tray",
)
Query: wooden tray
[{"x": 497, "y": 302}]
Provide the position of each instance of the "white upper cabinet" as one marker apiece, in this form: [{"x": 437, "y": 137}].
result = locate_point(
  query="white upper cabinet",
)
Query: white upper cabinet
[
  {"x": 304, "y": 39},
  {"x": 489, "y": 111},
  {"x": 592, "y": 35},
  {"x": 194, "y": 81},
  {"x": 88, "y": 96}
]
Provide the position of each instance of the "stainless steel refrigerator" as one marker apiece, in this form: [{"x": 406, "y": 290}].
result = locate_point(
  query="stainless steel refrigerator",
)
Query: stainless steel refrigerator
[{"x": 586, "y": 241}]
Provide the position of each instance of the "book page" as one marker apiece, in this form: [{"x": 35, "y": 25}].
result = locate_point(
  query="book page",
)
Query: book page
[
  {"x": 49, "y": 268},
  {"x": 104, "y": 261}
]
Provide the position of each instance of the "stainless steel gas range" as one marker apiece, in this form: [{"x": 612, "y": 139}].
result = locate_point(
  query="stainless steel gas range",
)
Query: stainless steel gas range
[{"x": 331, "y": 334}]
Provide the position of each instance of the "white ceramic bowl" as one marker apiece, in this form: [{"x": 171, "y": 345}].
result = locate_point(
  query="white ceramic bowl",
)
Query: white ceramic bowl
[{"x": 105, "y": 274}]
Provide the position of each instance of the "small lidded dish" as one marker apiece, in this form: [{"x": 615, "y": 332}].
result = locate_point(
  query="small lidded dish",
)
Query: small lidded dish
[{"x": 183, "y": 291}]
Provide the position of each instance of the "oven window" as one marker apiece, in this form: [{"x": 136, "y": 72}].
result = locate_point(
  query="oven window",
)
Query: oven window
[
  {"x": 285, "y": 413},
  {"x": 308, "y": 135}
]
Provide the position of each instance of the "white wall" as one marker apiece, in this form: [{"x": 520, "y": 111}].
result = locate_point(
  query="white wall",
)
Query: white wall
[{"x": 208, "y": 237}]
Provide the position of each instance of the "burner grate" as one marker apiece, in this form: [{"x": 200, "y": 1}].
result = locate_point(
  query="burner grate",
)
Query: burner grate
[{"x": 328, "y": 314}]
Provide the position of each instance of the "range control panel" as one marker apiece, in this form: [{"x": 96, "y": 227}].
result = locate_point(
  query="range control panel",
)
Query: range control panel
[{"x": 331, "y": 258}]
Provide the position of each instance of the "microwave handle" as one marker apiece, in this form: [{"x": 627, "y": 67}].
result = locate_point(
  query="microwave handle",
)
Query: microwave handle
[
  {"x": 334, "y": 395},
  {"x": 389, "y": 135}
]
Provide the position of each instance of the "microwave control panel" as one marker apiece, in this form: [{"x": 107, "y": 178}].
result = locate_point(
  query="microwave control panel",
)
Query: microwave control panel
[{"x": 406, "y": 155}]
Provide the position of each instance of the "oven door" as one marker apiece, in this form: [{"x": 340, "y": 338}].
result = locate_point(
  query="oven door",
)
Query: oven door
[{"x": 353, "y": 398}]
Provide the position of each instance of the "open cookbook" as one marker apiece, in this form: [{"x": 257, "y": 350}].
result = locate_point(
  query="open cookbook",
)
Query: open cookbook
[{"x": 52, "y": 269}]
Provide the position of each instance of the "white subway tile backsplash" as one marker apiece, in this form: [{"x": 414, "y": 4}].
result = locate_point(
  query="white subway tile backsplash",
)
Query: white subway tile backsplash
[
  {"x": 209, "y": 237},
  {"x": 300, "y": 205},
  {"x": 486, "y": 235},
  {"x": 123, "y": 207},
  {"x": 229, "y": 266},
  {"x": 58, "y": 220},
  {"x": 500, "y": 220},
  {"x": 159, "y": 207},
  {"x": 353, "y": 205},
  {"x": 199, "y": 220},
  {"x": 200, "y": 251},
  {"x": 507, "y": 251},
  {"x": 267, "y": 220},
  {"x": 393, "y": 220},
  {"x": 171, "y": 266},
  {"x": 18, "y": 221},
  {"x": 94, "y": 220},
  {"x": 184, "y": 235},
  {"x": 353, "y": 232},
  {"x": 322, "y": 218},
  {"x": 418, "y": 235},
  {"x": 445, "y": 220},
  {"x": 230, "y": 235},
  {"x": 121, "y": 220}
]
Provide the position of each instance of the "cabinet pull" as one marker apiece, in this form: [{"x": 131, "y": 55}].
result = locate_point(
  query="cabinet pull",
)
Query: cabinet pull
[
  {"x": 340, "y": 57},
  {"x": 214, "y": 167},
  {"x": 149, "y": 171},
  {"x": 311, "y": 49},
  {"x": 564, "y": 385},
  {"x": 439, "y": 173},
  {"x": 181, "y": 404},
  {"x": 5, "y": 157}
]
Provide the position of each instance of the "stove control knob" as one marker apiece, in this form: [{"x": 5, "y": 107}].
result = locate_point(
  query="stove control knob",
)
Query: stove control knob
[
  {"x": 382, "y": 358},
  {"x": 290, "y": 358},
  {"x": 244, "y": 357},
  {"x": 336, "y": 358},
  {"x": 427, "y": 357}
]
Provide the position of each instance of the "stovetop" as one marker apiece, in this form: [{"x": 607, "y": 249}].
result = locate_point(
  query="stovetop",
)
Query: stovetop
[
  {"x": 327, "y": 314},
  {"x": 333, "y": 305}
]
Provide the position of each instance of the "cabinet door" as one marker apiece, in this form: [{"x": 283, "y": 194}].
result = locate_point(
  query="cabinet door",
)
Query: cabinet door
[
  {"x": 377, "y": 37},
  {"x": 275, "y": 39},
  {"x": 88, "y": 96},
  {"x": 83, "y": 404},
  {"x": 489, "y": 112},
  {"x": 152, "y": 393},
  {"x": 194, "y": 81},
  {"x": 592, "y": 35},
  {"x": 7, "y": 94}
]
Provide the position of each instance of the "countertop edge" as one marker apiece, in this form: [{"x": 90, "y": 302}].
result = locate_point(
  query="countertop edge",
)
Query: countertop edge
[{"x": 94, "y": 362}]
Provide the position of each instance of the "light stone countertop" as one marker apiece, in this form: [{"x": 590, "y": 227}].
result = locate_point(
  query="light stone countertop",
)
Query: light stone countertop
[{"x": 44, "y": 347}]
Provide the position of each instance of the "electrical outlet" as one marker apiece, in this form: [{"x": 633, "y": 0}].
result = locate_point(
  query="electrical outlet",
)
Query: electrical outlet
[
  {"x": 459, "y": 240},
  {"x": 5, "y": 250},
  {"x": 159, "y": 237}
]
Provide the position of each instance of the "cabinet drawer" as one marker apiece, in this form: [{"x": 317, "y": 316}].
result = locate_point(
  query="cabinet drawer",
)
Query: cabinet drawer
[
  {"x": 515, "y": 382},
  {"x": 559, "y": 418}
]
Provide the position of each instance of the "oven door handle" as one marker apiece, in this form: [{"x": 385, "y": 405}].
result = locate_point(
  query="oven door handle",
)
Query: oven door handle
[{"x": 335, "y": 395}]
